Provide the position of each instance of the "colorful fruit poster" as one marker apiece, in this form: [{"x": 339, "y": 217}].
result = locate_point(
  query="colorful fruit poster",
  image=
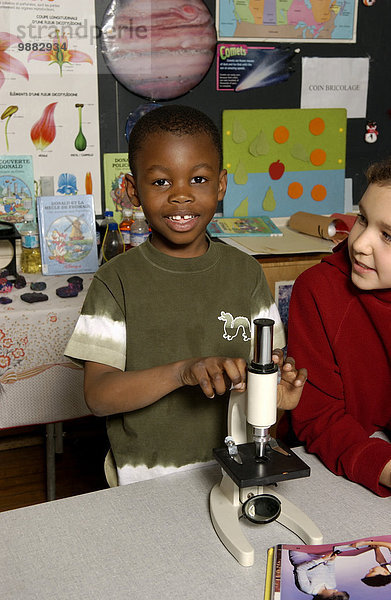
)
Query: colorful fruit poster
[
  {"x": 284, "y": 160},
  {"x": 49, "y": 91}
]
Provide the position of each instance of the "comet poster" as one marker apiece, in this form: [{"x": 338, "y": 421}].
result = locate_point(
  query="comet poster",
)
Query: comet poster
[
  {"x": 49, "y": 92},
  {"x": 280, "y": 161}
]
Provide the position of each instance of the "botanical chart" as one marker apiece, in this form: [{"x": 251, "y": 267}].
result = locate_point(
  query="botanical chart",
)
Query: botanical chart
[{"x": 49, "y": 91}]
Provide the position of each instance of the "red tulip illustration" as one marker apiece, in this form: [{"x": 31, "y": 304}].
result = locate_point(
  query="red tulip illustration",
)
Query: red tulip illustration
[
  {"x": 43, "y": 131},
  {"x": 7, "y": 62}
]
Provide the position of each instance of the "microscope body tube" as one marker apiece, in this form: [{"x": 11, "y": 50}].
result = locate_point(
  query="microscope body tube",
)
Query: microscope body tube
[{"x": 261, "y": 398}]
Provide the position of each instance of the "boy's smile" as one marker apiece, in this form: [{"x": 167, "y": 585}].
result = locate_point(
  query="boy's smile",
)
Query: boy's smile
[
  {"x": 178, "y": 183},
  {"x": 370, "y": 240}
]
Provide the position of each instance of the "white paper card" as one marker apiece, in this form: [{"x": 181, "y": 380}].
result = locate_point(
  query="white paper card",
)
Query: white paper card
[{"x": 335, "y": 83}]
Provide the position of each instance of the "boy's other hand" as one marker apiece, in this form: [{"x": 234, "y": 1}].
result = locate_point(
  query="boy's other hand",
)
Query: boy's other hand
[
  {"x": 214, "y": 374},
  {"x": 292, "y": 381}
]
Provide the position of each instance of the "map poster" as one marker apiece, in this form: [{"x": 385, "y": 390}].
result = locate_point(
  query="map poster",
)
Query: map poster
[
  {"x": 287, "y": 20},
  {"x": 49, "y": 91}
]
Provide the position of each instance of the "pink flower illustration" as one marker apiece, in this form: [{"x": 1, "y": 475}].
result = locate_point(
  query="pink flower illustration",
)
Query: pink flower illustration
[
  {"x": 43, "y": 131},
  {"x": 4, "y": 361},
  {"x": 7, "y": 62},
  {"x": 60, "y": 53},
  {"x": 7, "y": 343}
]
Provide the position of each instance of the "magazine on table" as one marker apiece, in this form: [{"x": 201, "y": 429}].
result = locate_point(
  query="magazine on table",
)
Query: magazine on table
[
  {"x": 242, "y": 226},
  {"x": 17, "y": 194},
  {"x": 67, "y": 234},
  {"x": 359, "y": 569}
]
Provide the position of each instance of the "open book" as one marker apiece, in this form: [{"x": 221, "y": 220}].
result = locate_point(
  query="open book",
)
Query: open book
[
  {"x": 359, "y": 569},
  {"x": 242, "y": 226}
]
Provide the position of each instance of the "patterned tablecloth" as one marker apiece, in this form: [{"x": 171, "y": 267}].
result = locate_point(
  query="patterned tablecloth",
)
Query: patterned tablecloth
[{"x": 37, "y": 383}]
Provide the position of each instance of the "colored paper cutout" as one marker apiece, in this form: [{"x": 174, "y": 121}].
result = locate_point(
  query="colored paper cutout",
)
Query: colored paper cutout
[
  {"x": 242, "y": 210},
  {"x": 239, "y": 134},
  {"x": 309, "y": 143}
]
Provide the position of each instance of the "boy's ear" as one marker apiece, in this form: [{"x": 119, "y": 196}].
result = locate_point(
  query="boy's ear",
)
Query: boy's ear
[
  {"x": 222, "y": 184},
  {"x": 131, "y": 189}
]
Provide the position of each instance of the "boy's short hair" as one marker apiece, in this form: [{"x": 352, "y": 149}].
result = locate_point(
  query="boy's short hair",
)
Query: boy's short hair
[
  {"x": 176, "y": 119},
  {"x": 377, "y": 580},
  {"x": 379, "y": 172}
]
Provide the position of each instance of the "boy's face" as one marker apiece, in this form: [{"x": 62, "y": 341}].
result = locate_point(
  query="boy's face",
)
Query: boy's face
[
  {"x": 370, "y": 240},
  {"x": 178, "y": 184}
]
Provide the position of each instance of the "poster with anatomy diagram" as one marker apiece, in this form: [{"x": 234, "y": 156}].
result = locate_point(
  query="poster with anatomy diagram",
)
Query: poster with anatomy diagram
[{"x": 49, "y": 93}]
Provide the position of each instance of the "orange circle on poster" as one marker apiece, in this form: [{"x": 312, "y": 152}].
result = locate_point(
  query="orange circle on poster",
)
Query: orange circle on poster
[
  {"x": 295, "y": 190},
  {"x": 318, "y": 193},
  {"x": 318, "y": 157},
  {"x": 317, "y": 126},
  {"x": 281, "y": 134}
]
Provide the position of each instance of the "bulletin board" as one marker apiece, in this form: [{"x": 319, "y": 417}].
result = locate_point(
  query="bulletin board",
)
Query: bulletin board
[
  {"x": 285, "y": 160},
  {"x": 372, "y": 40}
]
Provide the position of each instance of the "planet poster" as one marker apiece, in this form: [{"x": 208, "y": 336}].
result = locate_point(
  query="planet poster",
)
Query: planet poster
[{"x": 280, "y": 161}]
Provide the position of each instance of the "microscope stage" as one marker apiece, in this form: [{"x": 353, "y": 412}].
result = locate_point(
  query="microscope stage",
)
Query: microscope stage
[{"x": 274, "y": 467}]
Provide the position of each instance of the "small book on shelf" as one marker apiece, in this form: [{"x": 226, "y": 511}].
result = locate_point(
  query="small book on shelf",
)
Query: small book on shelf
[
  {"x": 242, "y": 226},
  {"x": 67, "y": 234},
  {"x": 356, "y": 569}
]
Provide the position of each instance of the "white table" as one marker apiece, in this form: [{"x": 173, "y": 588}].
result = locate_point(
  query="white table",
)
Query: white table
[
  {"x": 38, "y": 384},
  {"x": 154, "y": 539}
]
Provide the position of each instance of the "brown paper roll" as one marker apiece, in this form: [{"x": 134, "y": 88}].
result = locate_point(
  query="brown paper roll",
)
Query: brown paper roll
[{"x": 316, "y": 225}]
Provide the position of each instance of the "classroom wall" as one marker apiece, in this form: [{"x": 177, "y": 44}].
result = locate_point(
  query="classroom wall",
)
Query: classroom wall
[{"x": 373, "y": 41}]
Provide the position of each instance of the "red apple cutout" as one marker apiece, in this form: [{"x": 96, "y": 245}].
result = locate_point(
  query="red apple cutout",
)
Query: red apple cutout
[{"x": 276, "y": 170}]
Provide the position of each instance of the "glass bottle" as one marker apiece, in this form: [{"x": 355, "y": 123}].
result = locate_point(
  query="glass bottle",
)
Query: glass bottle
[
  {"x": 113, "y": 242},
  {"x": 30, "y": 261},
  {"x": 139, "y": 231},
  {"x": 125, "y": 225}
]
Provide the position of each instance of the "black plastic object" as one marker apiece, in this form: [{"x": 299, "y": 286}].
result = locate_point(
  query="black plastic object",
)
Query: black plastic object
[
  {"x": 9, "y": 232},
  {"x": 262, "y": 509},
  {"x": 271, "y": 468}
]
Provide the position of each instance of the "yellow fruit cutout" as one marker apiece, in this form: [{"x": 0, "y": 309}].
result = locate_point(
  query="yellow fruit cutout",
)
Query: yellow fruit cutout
[
  {"x": 240, "y": 176},
  {"x": 242, "y": 209},
  {"x": 269, "y": 202},
  {"x": 300, "y": 152},
  {"x": 239, "y": 134},
  {"x": 259, "y": 146}
]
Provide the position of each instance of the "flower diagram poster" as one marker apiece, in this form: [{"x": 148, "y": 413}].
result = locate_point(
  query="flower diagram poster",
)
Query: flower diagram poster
[
  {"x": 49, "y": 92},
  {"x": 280, "y": 161}
]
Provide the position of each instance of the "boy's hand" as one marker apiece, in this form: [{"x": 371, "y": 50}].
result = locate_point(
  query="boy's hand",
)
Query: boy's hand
[
  {"x": 214, "y": 374},
  {"x": 292, "y": 381}
]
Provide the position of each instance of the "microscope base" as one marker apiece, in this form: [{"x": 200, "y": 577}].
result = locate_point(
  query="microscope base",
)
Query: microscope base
[{"x": 226, "y": 499}]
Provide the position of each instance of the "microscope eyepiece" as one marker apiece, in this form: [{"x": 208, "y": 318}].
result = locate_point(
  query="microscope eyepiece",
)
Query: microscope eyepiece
[{"x": 263, "y": 346}]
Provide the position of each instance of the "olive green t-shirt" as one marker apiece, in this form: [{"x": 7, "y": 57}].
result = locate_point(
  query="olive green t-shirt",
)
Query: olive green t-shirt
[{"x": 145, "y": 309}]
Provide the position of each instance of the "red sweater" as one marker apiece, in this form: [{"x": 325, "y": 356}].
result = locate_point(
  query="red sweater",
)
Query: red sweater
[{"x": 342, "y": 335}]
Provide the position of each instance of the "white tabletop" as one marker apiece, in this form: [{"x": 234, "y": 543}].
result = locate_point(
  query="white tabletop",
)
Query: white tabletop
[{"x": 154, "y": 539}]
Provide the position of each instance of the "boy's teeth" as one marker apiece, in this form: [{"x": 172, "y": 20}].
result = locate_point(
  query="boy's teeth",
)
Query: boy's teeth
[{"x": 179, "y": 217}]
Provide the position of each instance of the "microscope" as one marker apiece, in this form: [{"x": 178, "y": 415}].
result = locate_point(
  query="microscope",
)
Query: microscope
[{"x": 251, "y": 470}]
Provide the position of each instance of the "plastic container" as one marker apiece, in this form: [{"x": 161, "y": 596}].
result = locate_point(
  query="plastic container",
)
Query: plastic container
[
  {"x": 30, "y": 261},
  {"x": 125, "y": 225},
  {"x": 113, "y": 243},
  {"x": 139, "y": 231},
  {"x": 107, "y": 218}
]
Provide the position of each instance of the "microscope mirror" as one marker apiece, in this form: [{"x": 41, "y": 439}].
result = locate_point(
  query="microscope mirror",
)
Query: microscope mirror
[{"x": 262, "y": 509}]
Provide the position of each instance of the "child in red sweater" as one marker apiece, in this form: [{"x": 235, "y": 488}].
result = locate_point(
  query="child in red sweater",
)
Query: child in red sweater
[{"x": 340, "y": 328}]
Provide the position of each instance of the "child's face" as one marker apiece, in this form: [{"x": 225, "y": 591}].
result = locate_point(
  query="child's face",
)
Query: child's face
[
  {"x": 178, "y": 184},
  {"x": 370, "y": 240}
]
